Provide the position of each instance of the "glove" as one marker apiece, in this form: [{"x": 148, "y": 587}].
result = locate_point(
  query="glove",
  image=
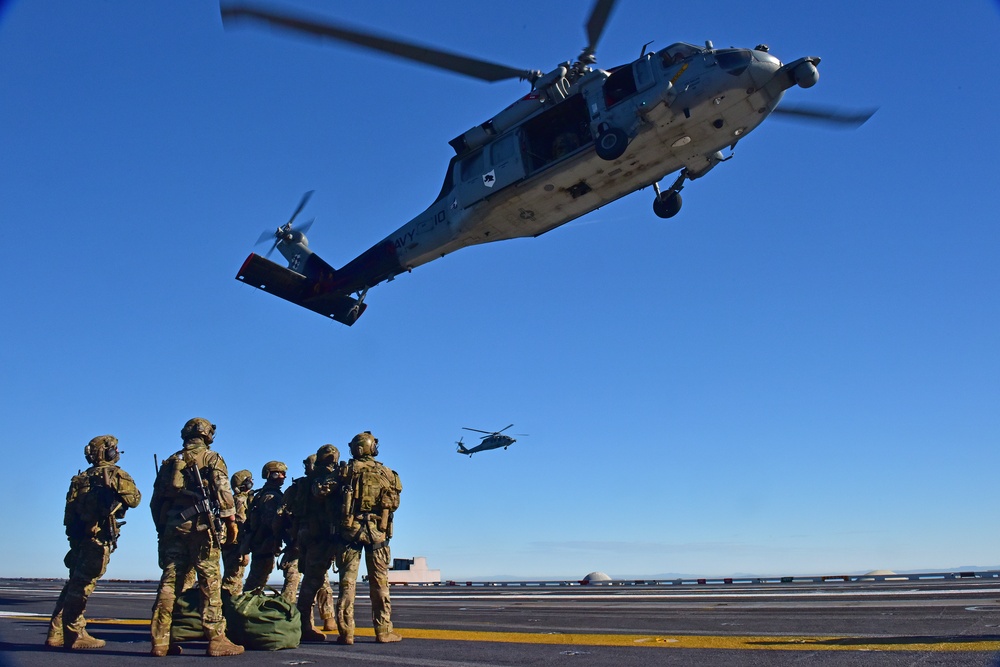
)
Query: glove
[{"x": 232, "y": 532}]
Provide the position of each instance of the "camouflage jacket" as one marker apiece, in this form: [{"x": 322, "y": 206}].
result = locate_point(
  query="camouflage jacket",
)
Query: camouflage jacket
[
  {"x": 295, "y": 509},
  {"x": 326, "y": 503},
  {"x": 264, "y": 521},
  {"x": 175, "y": 491},
  {"x": 97, "y": 497},
  {"x": 370, "y": 493}
]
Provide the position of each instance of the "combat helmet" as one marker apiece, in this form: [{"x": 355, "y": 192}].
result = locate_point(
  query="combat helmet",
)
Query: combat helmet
[
  {"x": 364, "y": 444},
  {"x": 327, "y": 457},
  {"x": 242, "y": 480},
  {"x": 102, "y": 449},
  {"x": 273, "y": 466},
  {"x": 198, "y": 428},
  {"x": 309, "y": 464}
]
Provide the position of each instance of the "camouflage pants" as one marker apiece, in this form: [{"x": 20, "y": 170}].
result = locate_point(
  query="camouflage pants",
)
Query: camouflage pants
[
  {"x": 232, "y": 570},
  {"x": 315, "y": 561},
  {"x": 290, "y": 569},
  {"x": 261, "y": 567},
  {"x": 87, "y": 561},
  {"x": 180, "y": 553},
  {"x": 377, "y": 562}
]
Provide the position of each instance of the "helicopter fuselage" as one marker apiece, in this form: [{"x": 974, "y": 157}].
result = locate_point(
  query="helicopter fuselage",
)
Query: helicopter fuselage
[
  {"x": 573, "y": 145},
  {"x": 495, "y": 441},
  {"x": 677, "y": 115}
]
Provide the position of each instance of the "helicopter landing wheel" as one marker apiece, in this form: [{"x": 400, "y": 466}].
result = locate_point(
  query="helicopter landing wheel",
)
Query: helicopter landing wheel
[
  {"x": 611, "y": 144},
  {"x": 667, "y": 205}
]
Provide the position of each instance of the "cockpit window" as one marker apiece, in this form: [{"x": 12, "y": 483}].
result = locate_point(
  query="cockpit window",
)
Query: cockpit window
[
  {"x": 733, "y": 62},
  {"x": 675, "y": 53}
]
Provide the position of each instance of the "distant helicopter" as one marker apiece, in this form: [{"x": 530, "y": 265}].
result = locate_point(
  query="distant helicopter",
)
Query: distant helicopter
[
  {"x": 492, "y": 440},
  {"x": 580, "y": 139}
]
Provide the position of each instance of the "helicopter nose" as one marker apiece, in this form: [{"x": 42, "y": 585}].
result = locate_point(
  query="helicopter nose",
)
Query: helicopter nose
[{"x": 763, "y": 67}]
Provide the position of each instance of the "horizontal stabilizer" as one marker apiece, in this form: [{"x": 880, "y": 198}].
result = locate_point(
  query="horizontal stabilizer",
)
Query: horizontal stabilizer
[{"x": 296, "y": 288}]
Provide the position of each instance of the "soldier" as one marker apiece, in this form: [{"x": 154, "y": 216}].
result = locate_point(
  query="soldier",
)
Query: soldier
[
  {"x": 234, "y": 562},
  {"x": 264, "y": 526},
  {"x": 97, "y": 499},
  {"x": 299, "y": 515},
  {"x": 370, "y": 493},
  {"x": 317, "y": 537},
  {"x": 191, "y": 487}
]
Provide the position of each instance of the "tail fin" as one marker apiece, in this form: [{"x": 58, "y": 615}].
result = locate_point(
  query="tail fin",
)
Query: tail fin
[{"x": 461, "y": 449}]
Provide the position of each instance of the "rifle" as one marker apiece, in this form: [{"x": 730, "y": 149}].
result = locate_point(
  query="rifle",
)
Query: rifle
[
  {"x": 114, "y": 526},
  {"x": 206, "y": 506}
]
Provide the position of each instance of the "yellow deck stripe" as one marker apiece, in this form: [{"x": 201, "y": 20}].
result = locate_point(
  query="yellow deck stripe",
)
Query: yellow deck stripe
[{"x": 740, "y": 643}]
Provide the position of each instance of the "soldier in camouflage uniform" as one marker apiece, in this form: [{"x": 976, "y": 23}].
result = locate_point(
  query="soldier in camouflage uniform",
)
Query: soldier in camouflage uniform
[
  {"x": 370, "y": 494},
  {"x": 97, "y": 499},
  {"x": 320, "y": 516},
  {"x": 234, "y": 562},
  {"x": 264, "y": 526},
  {"x": 297, "y": 512},
  {"x": 190, "y": 487}
]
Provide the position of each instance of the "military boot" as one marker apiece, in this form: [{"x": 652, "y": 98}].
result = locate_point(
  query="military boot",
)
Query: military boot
[
  {"x": 55, "y": 637},
  {"x": 310, "y": 634},
  {"x": 160, "y": 650},
  {"x": 345, "y": 639},
  {"x": 387, "y": 637},
  {"x": 81, "y": 640},
  {"x": 221, "y": 646},
  {"x": 330, "y": 624}
]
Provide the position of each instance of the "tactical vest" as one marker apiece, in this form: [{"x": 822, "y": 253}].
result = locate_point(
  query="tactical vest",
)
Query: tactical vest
[
  {"x": 263, "y": 526},
  {"x": 91, "y": 503},
  {"x": 370, "y": 496},
  {"x": 176, "y": 490}
]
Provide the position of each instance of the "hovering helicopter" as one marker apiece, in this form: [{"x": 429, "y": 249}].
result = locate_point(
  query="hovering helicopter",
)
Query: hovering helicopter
[
  {"x": 580, "y": 139},
  {"x": 492, "y": 440}
]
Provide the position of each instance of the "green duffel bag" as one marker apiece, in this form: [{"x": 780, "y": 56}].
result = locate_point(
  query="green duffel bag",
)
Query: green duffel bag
[
  {"x": 262, "y": 622},
  {"x": 186, "y": 624}
]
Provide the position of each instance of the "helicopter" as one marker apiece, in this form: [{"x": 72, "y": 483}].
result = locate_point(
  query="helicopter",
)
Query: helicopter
[
  {"x": 492, "y": 440},
  {"x": 582, "y": 137}
]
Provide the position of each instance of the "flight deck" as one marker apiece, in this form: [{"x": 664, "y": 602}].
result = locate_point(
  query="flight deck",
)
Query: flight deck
[{"x": 948, "y": 619}]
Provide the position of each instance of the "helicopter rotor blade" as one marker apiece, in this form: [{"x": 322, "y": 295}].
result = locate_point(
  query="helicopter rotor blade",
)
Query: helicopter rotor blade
[
  {"x": 477, "y": 430},
  {"x": 505, "y": 428},
  {"x": 453, "y": 62},
  {"x": 266, "y": 236},
  {"x": 302, "y": 205},
  {"x": 595, "y": 28},
  {"x": 852, "y": 119}
]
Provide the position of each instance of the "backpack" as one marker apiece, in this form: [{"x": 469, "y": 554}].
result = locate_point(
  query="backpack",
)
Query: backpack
[{"x": 89, "y": 503}]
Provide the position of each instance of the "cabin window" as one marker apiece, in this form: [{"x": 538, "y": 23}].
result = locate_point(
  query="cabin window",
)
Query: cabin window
[
  {"x": 619, "y": 85},
  {"x": 503, "y": 149},
  {"x": 472, "y": 166}
]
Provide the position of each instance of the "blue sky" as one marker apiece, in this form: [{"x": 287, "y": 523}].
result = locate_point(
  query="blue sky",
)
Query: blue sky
[{"x": 798, "y": 374}]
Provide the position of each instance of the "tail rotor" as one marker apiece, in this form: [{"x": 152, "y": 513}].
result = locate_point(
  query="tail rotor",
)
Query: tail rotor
[{"x": 287, "y": 232}]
